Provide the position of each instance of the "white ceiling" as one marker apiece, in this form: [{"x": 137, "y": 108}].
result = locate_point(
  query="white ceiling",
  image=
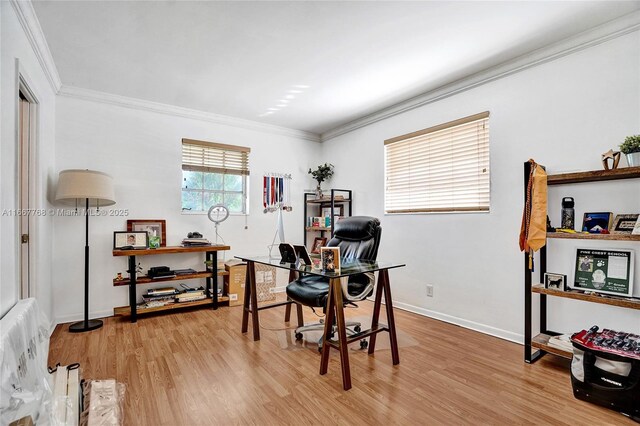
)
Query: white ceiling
[{"x": 335, "y": 61}]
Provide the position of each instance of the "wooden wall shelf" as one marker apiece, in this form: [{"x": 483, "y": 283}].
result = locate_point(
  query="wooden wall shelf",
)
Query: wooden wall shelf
[
  {"x": 541, "y": 341},
  {"x": 581, "y": 236},
  {"x": 317, "y": 229},
  {"x": 578, "y": 295},
  {"x": 327, "y": 200},
  {"x": 126, "y": 310},
  {"x": 143, "y": 279},
  {"x": 594, "y": 176},
  {"x": 171, "y": 250}
]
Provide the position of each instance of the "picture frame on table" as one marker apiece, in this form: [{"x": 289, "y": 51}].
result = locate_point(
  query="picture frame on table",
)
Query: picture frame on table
[
  {"x": 156, "y": 228},
  {"x": 330, "y": 259},
  {"x": 555, "y": 281},
  {"x": 130, "y": 240},
  {"x": 624, "y": 223},
  {"x": 318, "y": 242}
]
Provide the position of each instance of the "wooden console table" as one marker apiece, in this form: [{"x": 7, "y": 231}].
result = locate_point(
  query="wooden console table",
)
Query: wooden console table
[{"x": 211, "y": 254}]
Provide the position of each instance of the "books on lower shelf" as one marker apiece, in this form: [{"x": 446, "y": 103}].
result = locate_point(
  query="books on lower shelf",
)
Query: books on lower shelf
[
  {"x": 562, "y": 342},
  {"x": 189, "y": 242}
]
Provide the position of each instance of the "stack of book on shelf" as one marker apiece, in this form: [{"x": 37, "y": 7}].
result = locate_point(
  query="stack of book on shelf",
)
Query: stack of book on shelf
[
  {"x": 319, "y": 222},
  {"x": 191, "y": 295},
  {"x": 190, "y": 242},
  {"x": 562, "y": 342},
  {"x": 159, "y": 296}
]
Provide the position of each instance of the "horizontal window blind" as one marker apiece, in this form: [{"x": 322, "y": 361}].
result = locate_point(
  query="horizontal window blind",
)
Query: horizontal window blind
[
  {"x": 212, "y": 157},
  {"x": 441, "y": 169}
]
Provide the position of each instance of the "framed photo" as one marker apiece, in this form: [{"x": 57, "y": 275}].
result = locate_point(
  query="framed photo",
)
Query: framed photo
[
  {"x": 318, "y": 242},
  {"x": 337, "y": 211},
  {"x": 555, "y": 281},
  {"x": 608, "y": 271},
  {"x": 156, "y": 228},
  {"x": 624, "y": 223},
  {"x": 330, "y": 259},
  {"x": 134, "y": 240},
  {"x": 595, "y": 223}
]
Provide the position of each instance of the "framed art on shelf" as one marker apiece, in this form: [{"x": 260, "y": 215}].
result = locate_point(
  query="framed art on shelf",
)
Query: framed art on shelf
[
  {"x": 337, "y": 211},
  {"x": 595, "y": 223},
  {"x": 608, "y": 271},
  {"x": 130, "y": 240},
  {"x": 555, "y": 281},
  {"x": 318, "y": 242},
  {"x": 624, "y": 223},
  {"x": 156, "y": 228}
]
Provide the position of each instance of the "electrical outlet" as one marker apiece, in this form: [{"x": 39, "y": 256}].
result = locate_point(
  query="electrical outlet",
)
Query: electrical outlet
[{"x": 429, "y": 290}]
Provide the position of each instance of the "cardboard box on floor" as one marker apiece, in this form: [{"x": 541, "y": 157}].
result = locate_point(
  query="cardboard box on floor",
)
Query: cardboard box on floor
[{"x": 234, "y": 282}]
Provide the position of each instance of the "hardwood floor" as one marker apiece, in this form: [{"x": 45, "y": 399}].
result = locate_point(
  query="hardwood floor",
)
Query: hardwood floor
[{"x": 196, "y": 367}]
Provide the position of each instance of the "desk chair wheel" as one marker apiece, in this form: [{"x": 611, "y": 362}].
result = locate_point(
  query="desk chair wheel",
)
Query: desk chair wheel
[
  {"x": 299, "y": 336},
  {"x": 357, "y": 329},
  {"x": 364, "y": 344}
]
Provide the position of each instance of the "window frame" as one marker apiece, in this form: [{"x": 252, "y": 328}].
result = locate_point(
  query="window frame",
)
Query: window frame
[
  {"x": 444, "y": 126},
  {"x": 244, "y": 173}
]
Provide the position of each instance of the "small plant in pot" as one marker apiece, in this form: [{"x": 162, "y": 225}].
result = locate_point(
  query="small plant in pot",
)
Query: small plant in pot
[
  {"x": 631, "y": 149},
  {"x": 322, "y": 173}
]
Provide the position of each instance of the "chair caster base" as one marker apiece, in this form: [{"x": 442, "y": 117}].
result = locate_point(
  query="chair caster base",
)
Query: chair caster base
[
  {"x": 364, "y": 344},
  {"x": 299, "y": 337}
]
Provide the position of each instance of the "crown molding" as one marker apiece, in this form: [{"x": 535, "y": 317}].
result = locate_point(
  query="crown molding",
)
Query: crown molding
[
  {"x": 592, "y": 37},
  {"x": 140, "y": 104},
  {"x": 31, "y": 26}
]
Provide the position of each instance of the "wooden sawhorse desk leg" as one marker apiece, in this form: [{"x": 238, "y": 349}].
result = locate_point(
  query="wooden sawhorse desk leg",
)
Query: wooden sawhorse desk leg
[
  {"x": 250, "y": 305},
  {"x": 383, "y": 286},
  {"x": 335, "y": 309},
  {"x": 293, "y": 275}
]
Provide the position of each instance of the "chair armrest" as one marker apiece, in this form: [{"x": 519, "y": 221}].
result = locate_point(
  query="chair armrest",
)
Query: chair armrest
[{"x": 363, "y": 294}]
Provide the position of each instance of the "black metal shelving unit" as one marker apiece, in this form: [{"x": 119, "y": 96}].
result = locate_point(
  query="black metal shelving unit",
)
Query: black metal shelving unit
[
  {"x": 309, "y": 199},
  {"x": 535, "y": 347}
]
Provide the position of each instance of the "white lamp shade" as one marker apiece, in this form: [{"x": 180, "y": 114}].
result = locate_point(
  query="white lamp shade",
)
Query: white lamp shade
[{"x": 78, "y": 185}]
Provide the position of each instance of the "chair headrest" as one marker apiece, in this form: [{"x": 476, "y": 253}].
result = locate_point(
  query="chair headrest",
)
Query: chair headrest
[{"x": 356, "y": 228}]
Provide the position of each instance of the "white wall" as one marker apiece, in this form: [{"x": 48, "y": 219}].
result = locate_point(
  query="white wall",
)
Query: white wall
[
  {"x": 564, "y": 114},
  {"x": 142, "y": 151},
  {"x": 15, "y": 45}
]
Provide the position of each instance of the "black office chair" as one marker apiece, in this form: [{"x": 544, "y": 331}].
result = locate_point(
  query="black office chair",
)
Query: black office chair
[{"x": 358, "y": 238}]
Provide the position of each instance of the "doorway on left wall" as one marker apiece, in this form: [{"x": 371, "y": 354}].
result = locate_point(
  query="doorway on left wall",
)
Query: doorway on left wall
[{"x": 27, "y": 120}]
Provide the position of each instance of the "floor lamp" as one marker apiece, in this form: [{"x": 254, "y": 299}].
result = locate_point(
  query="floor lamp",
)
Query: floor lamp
[{"x": 93, "y": 189}]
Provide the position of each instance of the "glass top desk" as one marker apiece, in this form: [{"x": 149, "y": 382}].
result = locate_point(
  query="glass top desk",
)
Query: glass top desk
[{"x": 334, "y": 309}]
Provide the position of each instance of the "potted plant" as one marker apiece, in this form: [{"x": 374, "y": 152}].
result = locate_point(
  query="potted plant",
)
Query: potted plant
[
  {"x": 631, "y": 149},
  {"x": 322, "y": 173}
]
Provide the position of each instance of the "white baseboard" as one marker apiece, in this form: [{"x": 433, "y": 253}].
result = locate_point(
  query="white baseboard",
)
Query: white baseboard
[
  {"x": 80, "y": 316},
  {"x": 482, "y": 328}
]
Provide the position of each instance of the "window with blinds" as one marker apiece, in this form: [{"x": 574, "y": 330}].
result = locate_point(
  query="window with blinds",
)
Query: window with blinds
[
  {"x": 440, "y": 169},
  {"x": 214, "y": 173}
]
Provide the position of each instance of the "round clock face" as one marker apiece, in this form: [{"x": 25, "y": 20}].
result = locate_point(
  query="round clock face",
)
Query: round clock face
[{"x": 218, "y": 213}]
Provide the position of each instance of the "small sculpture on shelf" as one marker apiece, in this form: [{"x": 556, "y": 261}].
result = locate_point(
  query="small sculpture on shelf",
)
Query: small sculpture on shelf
[
  {"x": 322, "y": 173},
  {"x": 612, "y": 155}
]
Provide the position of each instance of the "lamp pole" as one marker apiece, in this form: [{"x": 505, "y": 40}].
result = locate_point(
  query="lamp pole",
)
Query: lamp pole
[{"x": 86, "y": 325}]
